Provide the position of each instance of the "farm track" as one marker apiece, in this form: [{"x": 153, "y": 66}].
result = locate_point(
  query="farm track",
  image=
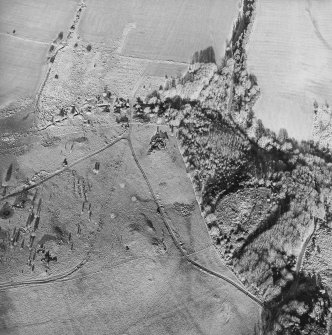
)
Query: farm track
[
  {"x": 171, "y": 232},
  {"x": 25, "y": 39},
  {"x": 66, "y": 168},
  {"x": 151, "y": 60},
  {"x": 4, "y": 286}
]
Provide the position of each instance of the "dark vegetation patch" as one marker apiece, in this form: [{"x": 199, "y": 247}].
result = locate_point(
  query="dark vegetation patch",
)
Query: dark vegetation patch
[
  {"x": 158, "y": 140},
  {"x": 60, "y": 232},
  {"x": 184, "y": 209},
  {"x": 300, "y": 308},
  {"x": 148, "y": 222},
  {"x": 6, "y": 212},
  {"x": 204, "y": 56},
  {"x": 46, "y": 238},
  {"x": 9, "y": 172},
  {"x": 81, "y": 139}
]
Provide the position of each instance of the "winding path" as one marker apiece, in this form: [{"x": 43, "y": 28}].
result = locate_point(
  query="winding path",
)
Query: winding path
[{"x": 50, "y": 279}]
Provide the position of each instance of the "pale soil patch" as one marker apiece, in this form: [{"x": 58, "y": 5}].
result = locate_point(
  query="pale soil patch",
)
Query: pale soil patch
[
  {"x": 292, "y": 63},
  {"x": 38, "y": 20},
  {"x": 22, "y": 64}
]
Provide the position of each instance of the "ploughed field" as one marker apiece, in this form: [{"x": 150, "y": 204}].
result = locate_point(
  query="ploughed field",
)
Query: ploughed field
[
  {"x": 26, "y": 32},
  {"x": 290, "y": 52}
]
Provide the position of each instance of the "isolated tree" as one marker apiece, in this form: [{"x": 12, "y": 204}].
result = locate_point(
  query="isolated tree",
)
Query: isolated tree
[
  {"x": 89, "y": 47},
  {"x": 250, "y": 118},
  {"x": 260, "y": 129},
  {"x": 253, "y": 79}
]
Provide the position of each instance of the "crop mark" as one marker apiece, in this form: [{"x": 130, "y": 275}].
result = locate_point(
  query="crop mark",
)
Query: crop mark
[{"x": 126, "y": 31}]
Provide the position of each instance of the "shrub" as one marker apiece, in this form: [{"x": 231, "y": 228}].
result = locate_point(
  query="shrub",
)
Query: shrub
[
  {"x": 260, "y": 130},
  {"x": 253, "y": 79},
  {"x": 153, "y": 94}
]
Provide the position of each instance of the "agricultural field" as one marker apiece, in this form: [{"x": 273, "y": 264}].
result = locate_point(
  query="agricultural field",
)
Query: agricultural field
[
  {"x": 20, "y": 75},
  {"x": 158, "y": 30},
  {"x": 290, "y": 52},
  {"x": 26, "y": 33}
]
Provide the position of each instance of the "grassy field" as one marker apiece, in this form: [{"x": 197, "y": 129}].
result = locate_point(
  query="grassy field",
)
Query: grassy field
[
  {"x": 135, "y": 280},
  {"x": 290, "y": 52}
]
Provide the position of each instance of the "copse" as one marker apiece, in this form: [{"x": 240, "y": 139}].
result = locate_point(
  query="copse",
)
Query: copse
[{"x": 204, "y": 56}]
